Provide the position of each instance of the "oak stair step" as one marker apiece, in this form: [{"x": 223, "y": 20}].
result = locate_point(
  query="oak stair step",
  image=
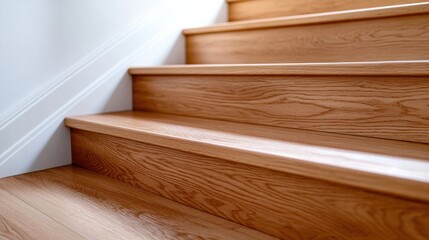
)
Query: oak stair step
[
  {"x": 73, "y": 203},
  {"x": 292, "y": 184},
  {"x": 375, "y": 99},
  {"x": 394, "y": 167},
  {"x": 398, "y": 32},
  {"x": 240, "y": 10}
]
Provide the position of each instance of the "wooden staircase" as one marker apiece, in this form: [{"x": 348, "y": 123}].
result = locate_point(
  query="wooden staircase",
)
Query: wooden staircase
[
  {"x": 390, "y": 33},
  {"x": 299, "y": 119}
]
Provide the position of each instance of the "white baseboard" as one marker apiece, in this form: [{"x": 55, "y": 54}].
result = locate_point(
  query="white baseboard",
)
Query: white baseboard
[{"x": 32, "y": 134}]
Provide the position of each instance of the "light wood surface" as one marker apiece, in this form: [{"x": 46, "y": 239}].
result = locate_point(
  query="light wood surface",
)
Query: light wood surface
[
  {"x": 20, "y": 221},
  {"x": 374, "y": 106},
  {"x": 97, "y": 207},
  {"x": 382, "y": 68},
  {"x": 284, "y": 205},
  {"x": 393, "y": 167},
  {"x": 318, "y": 18},
  {"x": 257, "y": 9},
  {"x": 372, "y": 35}
]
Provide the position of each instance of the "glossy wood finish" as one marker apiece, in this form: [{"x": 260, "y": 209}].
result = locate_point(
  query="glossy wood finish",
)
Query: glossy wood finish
[
  {"x": 258, "y": 9},
  {"x": 383, "y": 68},
  {"x": 393, "y": 167},
  {"x": 391, "y": 107},
  {"x": 319, "y": 18},
  {"x": 20, "y": 221},
  {"x": 392, "y": 34},
  {"x": 97, "y": 207},
  {"x": 284, "y": 205}
]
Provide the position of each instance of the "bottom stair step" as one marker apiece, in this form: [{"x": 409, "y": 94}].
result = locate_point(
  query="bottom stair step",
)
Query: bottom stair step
[
  {"x": 292, "y": 184},
  {"x": 73, "y": 203}
]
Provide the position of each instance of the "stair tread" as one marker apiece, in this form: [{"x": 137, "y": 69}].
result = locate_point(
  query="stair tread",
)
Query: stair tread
[
  {"x": 317, "y": 18},
  {"x": 397, "y": 68},
  {"x": 370, "y": 163},
  {"x": 361, "y": 98},
  {"x": 259, "y": 9},
  {"x": 91, "y": 206}
]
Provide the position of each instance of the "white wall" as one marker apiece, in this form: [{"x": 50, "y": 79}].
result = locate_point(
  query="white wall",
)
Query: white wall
[{"x": 69, "y": 57}]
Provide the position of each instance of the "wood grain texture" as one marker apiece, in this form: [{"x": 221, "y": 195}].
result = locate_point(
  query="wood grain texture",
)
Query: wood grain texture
[
  {"x": 374, "y": 106},
  {"x": 283, "y": 41},
  {"x": 319, "y": 18},
  {"x": 98, "y": 207},
  {"x": 284, "y": 205},
  {"x": 386, "y": 68},
  {"x": 258, "y": 9},
  {"x": 20, "y": 221},
  {"x": 393, "y": 167}
]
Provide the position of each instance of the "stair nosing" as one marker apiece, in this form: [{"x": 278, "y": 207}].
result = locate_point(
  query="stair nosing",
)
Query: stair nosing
[
  {"x": 316, "y": 18},
  {"x": 379, "y": 68},
  {"x": 388, "y": 178}
]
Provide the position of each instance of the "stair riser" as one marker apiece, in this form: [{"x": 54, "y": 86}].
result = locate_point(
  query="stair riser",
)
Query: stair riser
[
  {"x": 280, "y": 204},
  {"x": 383, "y": 106},
  {"x": 258, "y": 9},
  {"x": 393, "y": 38}
]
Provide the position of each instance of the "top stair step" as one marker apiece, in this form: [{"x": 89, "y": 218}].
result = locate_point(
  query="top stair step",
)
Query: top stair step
[
  {"x": 256, "y": 9},
  {"x": 393, "y": 33}
]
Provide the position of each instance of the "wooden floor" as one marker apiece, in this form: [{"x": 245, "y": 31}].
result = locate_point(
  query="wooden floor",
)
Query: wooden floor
[{"x": 72, "y": 203}]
